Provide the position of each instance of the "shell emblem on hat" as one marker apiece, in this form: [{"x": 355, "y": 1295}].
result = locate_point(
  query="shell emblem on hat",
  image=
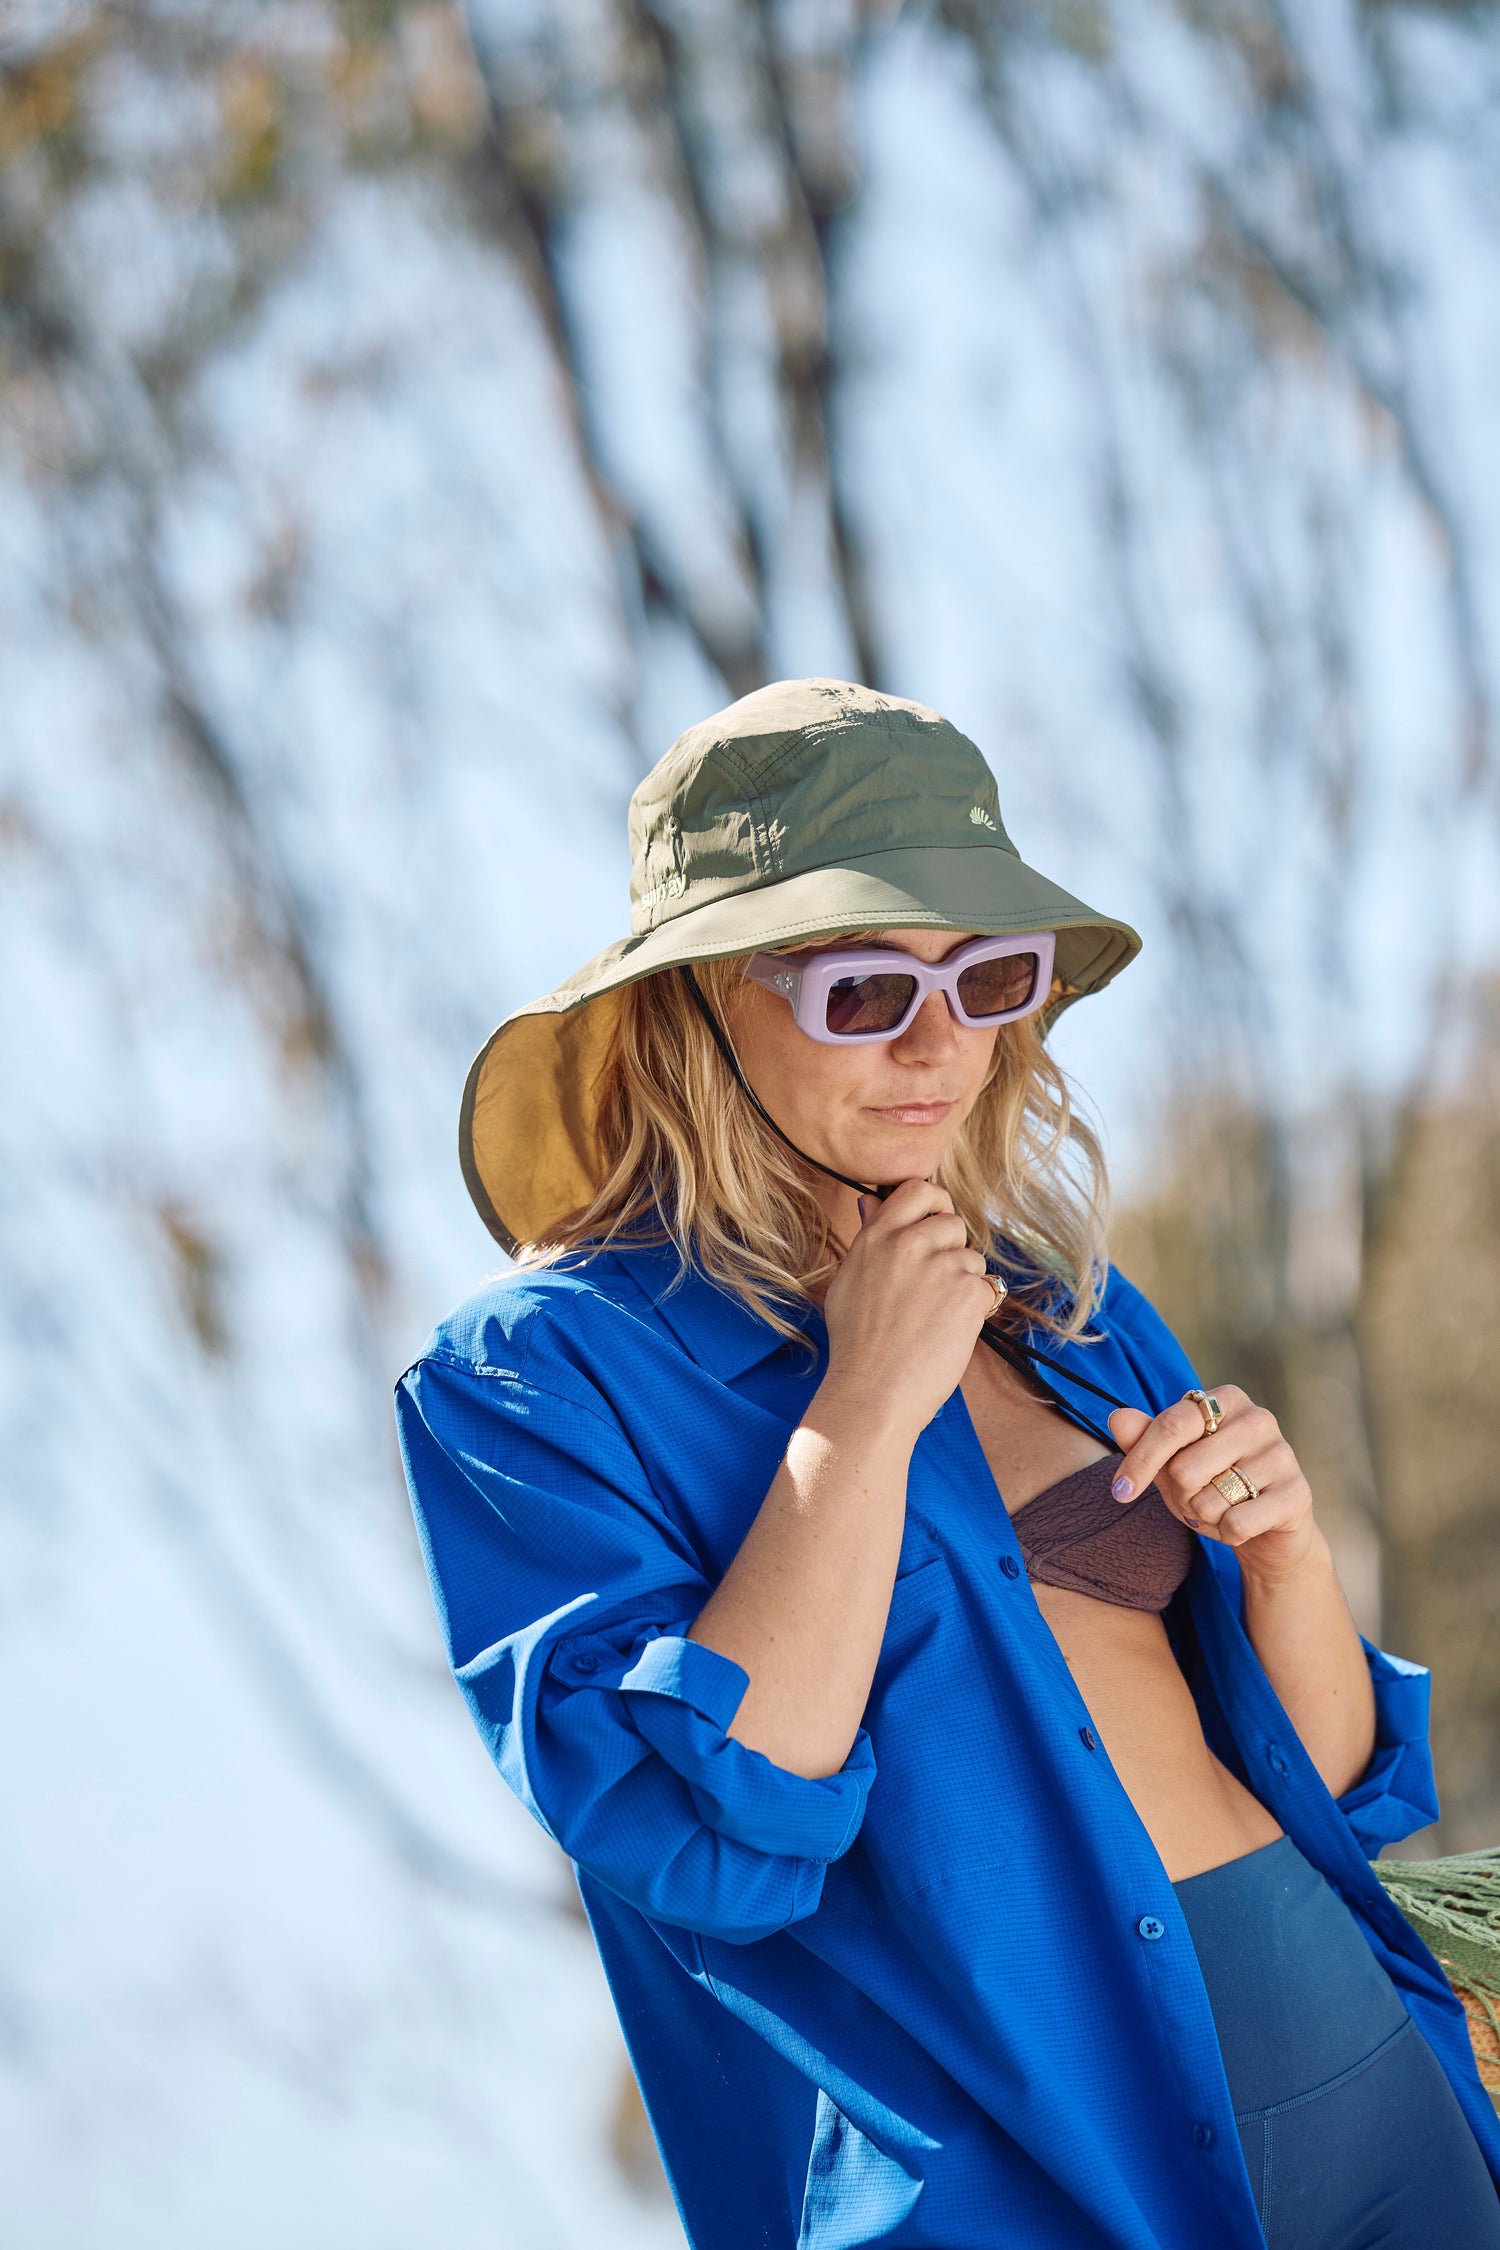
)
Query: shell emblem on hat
[{"x": 807, "y": 807}]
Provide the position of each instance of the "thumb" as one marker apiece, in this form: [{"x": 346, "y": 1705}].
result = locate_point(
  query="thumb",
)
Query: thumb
[{"x": 1127, "y": 1425}]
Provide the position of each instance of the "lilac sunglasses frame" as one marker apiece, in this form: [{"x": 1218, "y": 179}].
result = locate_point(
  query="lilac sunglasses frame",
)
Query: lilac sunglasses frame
[{"x": 806, "y": 984}]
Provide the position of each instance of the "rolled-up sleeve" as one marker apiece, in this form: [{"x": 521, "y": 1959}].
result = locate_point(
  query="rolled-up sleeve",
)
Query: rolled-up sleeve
[
  {"x": 1397, "y": 1792},
  {"x": 565, "y": 1593}
]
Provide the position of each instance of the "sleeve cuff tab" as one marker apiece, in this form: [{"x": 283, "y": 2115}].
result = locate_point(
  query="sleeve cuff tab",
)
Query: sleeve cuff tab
[{"x": 711, "y": 1684}]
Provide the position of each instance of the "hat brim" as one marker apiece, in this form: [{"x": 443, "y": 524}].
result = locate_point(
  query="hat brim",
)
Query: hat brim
[{"x": 527, "y": 1138}]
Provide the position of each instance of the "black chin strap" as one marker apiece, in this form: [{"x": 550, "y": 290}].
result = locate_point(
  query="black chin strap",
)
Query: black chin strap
[
  {"x": 1025, "y": 1362},
  {"x": 1020, "y": 1356},
  {"x": 732, "y": 1063}
]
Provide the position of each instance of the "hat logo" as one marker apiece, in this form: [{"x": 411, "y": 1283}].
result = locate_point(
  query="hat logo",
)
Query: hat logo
[
  {"x": 675, "y": 884},
  {"x": 673, "y": 887},
  {"x": 981, "y": 819}
]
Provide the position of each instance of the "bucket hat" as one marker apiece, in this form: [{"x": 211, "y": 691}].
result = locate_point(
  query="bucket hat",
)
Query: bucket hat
[{"x": 806, "y": 808}]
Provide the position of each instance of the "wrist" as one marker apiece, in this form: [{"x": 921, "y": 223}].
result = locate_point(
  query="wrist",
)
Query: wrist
[
  {"x": 1283, "y": 1568},
  {"x": 862, "y": 1415}
]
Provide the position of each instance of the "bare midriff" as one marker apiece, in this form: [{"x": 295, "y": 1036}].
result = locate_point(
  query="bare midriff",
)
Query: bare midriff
[
  {"x": 1192, "y": 1807},
  {"x": 1194, "y": 1810}
]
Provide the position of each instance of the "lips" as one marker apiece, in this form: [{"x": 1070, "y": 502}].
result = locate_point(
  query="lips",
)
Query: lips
[{"x": 913, "y": 1113}]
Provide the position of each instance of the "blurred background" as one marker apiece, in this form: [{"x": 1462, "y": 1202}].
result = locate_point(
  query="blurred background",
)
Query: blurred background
[{"x": 411, "y": 415}]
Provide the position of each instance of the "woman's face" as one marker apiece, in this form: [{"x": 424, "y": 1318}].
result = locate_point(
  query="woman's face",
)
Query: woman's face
[{"x": 884, "y": 1112}]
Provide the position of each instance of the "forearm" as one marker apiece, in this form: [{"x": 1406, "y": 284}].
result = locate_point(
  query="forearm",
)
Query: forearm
[
  {"x": 803, "y": 1606},
  {"x": 1299, "y": 1624}
]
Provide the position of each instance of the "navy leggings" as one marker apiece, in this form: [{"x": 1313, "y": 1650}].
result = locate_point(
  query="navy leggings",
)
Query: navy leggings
[{"x": 1353, "y": 2137}]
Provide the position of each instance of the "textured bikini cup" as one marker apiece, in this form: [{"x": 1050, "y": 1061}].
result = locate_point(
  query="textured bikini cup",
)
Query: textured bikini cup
[{"x": 1077, "y": 1535}]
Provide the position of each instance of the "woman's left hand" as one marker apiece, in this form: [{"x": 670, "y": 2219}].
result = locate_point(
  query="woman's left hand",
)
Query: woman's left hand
[{"x": 1273, "y": 1533}]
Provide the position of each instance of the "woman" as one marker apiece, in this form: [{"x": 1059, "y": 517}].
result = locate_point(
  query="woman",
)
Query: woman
[{"x": 970, "y": 1794}]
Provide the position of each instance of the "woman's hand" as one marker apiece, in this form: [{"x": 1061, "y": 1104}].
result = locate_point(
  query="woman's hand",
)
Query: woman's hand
[
  {"x": 1294, "y": 1608},
  {"x": 905, "y": 1308},
  {"x": 1273, "y": 1534}
]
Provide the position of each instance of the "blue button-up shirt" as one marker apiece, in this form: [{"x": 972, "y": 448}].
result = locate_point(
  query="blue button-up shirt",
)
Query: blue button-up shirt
[{"x": 945, "y": 1996}]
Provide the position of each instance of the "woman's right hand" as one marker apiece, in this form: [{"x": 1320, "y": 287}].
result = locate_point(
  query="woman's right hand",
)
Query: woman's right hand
[{"x": 905, "y": 1308}]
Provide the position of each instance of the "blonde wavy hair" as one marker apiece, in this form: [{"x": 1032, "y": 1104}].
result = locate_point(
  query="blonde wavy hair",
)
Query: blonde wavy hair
[{"x": 688, "y": 1161}]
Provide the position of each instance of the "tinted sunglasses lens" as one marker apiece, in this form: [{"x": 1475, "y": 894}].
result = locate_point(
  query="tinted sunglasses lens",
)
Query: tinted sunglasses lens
[
  {"x": 991, "y": 988},
  {"x": 877, "y": 1003}
]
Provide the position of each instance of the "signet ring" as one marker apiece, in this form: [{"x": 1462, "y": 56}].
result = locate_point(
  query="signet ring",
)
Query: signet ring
[{"x": 1209, "y": 1407}]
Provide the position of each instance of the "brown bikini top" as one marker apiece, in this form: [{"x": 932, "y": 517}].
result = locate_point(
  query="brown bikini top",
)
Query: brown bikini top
[{"x": 1076, "y": 1534}]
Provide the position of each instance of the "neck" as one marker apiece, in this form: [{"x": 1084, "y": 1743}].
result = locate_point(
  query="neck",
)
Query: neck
[{"x": 840, "y": 1206}]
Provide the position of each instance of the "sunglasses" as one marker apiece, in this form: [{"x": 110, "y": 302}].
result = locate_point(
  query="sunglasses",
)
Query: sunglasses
[{"x": 852, "y": 994}]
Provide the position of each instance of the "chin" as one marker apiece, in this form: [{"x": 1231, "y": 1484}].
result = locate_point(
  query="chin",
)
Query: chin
[{"x": 905, "y": 1152}]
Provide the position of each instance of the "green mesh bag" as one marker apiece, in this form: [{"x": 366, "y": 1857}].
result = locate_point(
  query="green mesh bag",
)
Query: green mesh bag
[{"x": 1454, "y": 1907}]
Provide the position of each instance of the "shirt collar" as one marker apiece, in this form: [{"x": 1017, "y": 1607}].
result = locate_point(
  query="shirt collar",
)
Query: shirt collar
[{"x": 713, "y": 1327}]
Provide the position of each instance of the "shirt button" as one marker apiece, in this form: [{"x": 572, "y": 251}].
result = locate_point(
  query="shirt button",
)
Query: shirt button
[
  {"x": 1088, "y": 1738},
  {"x": 584, "y": 1662},
  {"x": 1151, "y": 1928},
  {"x": 1203, "y": 2136},
  {"x": 1010, "y": 1566},
  {"x": 1276, "y": 1757}
]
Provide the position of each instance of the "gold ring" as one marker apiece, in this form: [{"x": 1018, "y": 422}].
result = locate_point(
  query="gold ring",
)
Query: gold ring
[
  {"x": 1235, "y": 1486},
  {"x": 1209, "y": 1407},
  {"x": 1002, "y": 1291}
]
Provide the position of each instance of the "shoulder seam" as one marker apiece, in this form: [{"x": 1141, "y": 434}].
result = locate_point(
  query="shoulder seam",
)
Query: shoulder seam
[
  {"x": 468, "y": 1366},
  {"x": 524, "y": 1340},
  {"x": 519, "y": 1376}
]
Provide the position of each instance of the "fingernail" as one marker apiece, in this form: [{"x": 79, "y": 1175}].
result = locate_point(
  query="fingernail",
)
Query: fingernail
[
  {"x": 863, "y": 1214},
  {"x": 1122, "y": 1488}
]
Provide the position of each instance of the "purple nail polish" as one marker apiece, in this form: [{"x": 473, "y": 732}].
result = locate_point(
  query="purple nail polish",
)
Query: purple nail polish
[{"x": 1122, "y": 1488}]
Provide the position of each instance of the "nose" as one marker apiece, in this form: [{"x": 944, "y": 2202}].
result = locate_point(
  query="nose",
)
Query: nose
[{"x": 931, "y": 1034}]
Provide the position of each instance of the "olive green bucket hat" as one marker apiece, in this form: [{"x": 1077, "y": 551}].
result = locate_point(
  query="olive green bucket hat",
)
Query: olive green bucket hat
[{"x": 805, "y": 809}]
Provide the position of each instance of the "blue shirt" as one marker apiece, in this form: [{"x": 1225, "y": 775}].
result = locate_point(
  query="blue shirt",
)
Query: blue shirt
[{"x": 945, "y": 1996}]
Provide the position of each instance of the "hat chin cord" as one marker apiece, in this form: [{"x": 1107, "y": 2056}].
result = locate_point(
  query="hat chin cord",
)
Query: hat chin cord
[
  {"x": 1022, "y": 1357},
  {"x": 732, "y": 1064}
]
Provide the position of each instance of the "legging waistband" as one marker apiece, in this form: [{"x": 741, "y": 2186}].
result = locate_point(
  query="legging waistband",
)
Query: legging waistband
[{"x": 1297, "y": 1995}]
